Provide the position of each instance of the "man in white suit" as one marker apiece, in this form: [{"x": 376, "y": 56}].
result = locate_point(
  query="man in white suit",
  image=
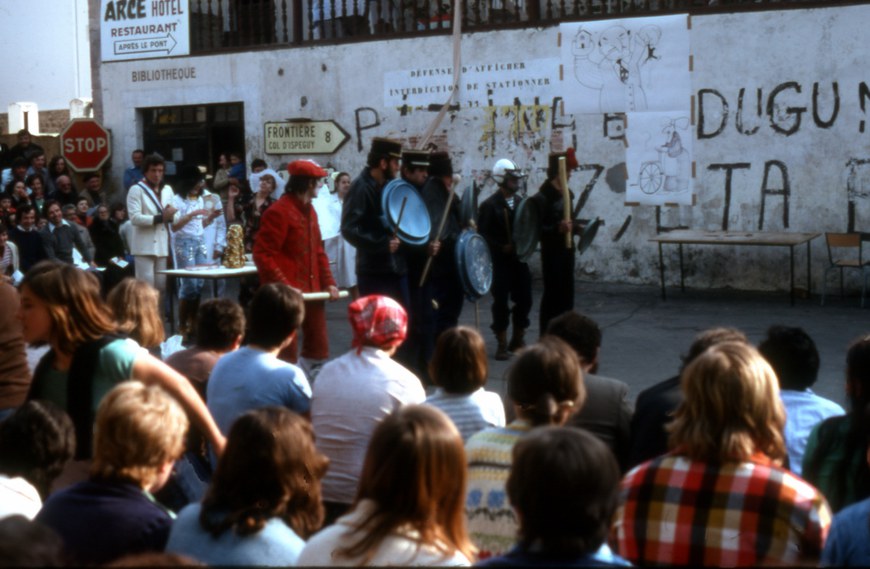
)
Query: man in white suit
[{"x": 148, "y": 206}]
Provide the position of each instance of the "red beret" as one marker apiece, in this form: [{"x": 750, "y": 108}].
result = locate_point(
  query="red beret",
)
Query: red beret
[{"x": 308, "y": 168}]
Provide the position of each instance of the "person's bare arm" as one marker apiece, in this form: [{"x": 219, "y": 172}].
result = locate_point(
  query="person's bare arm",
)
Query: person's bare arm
[{"x": 150, "y": 370}]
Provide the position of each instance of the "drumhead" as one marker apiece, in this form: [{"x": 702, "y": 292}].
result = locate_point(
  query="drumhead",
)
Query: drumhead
[
  {"x": 474, "y": 264},
  {"x": 415, "y": 222},
  {"x": 589, "y": 234},
  {"x": 527, "y": 225}
]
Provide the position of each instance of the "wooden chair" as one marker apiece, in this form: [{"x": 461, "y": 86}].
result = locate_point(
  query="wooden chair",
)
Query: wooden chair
[{"x": 845, "y": 251}]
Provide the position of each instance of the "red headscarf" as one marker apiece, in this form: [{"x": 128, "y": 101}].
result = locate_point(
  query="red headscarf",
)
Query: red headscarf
[{"x": 377, "y": 321}]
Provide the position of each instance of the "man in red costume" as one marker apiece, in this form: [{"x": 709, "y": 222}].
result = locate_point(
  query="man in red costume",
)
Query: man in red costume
[{"x": 289, "y": 249}]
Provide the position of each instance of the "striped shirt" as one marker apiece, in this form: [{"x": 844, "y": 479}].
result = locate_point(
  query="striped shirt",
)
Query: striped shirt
[
  {"x": 492, "y": 525},
  {"x": 470, "y": 412},
  {"x": 677, "y": 511}
]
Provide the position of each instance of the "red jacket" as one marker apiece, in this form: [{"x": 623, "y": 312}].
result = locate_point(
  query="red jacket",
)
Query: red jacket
[{"x": 288, "y": 248}]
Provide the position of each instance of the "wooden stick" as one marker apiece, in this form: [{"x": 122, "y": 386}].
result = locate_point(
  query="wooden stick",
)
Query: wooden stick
[
  {"x": 437, "y": 236},
  {"x": 566, "y": 193},
  {"x": 310, "y": 296},
  {"x": 401, "y": 213}
]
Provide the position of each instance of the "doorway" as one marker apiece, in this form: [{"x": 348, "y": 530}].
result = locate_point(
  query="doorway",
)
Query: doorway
[{"x": 194, "y": 134}]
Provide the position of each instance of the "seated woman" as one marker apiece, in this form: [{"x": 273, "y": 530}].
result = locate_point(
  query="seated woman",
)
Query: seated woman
[
  {"x": 408, "y": 509},
  {"x": 61, "y": 307},
  {"x": 459, "y": 369},
  {"x": 545, "y": 383},
  {"x": 721, "y": 497},
  {"x": 264, "y": 499},
  {"x": 136, "y": 307},
  {"x": 564, "y": 485}
]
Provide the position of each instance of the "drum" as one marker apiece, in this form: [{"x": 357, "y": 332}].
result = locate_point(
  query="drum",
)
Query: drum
[
  {"x": 527, "y": 227},
  {"x": 474, "y": 263},
  {"x": 415, "y": 223},
  {"x": 468, "y": 206},
  {"x": 588, "y": 235}
]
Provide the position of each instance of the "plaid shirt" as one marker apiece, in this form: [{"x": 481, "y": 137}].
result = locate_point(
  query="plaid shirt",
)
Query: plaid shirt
[{"x": 677, "y": 511}]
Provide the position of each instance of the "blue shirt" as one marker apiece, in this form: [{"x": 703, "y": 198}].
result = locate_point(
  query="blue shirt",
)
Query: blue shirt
[
  {"x": 131, "y": 176},
  {"x": 276, "y": 544},
  {"x": 848, "y": 543},
  {"x": 252, "y": 379},
  {"x": 804, "y": 410}
]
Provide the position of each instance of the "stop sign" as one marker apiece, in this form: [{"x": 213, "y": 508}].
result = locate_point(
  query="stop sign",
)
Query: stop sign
[{"x": 84, "y": 143}]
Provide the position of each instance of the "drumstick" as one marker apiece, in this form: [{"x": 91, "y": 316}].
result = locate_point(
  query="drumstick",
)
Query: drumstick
[
  {"x": 310, "y": 296},
  {"x": 437, "y": 236},
  {"x": 566, "y": 196},
  {"x": 401, "y": 213}
]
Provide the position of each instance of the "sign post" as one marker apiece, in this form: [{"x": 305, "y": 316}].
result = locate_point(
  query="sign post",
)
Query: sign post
[
  {"x": 85, "y": 145},
  {"x": 304, "y": 137}
]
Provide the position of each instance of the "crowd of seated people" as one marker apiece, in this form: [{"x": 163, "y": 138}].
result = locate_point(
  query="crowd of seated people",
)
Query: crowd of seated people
[{"x": 360, "y": 467}]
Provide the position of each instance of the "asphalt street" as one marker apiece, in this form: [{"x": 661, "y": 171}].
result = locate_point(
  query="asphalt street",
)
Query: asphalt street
[{"x": 644, "y": 336}]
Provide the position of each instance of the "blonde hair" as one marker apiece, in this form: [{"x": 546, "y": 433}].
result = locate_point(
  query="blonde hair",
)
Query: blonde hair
[
  {"x": 732, "y": 407},
  {"x": 138, "y": 429},
  {"x": 136, "y": 306}
]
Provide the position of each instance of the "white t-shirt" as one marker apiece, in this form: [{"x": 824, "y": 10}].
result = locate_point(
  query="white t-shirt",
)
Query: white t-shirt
[
  {"x": 352, "y": 394},
  {"x": 18, "y": 496},
  {"x": 400, "y": 549}
]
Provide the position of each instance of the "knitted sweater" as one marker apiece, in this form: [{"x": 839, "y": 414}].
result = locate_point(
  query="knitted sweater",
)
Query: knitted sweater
[{"x": 491, "y": 521}]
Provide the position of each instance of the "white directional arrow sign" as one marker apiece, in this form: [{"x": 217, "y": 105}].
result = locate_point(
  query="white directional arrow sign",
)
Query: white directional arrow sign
[
  {"x": 304, "y": 137},
  {"x": 160, "y": 44}
]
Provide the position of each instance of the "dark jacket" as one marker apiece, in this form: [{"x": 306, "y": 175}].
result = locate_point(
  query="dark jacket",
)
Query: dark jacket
[
  {"x": 653, "y": 410},
  {"x": 493, "y": 227},
  {"x": 550, "y": 203},
  {"x": 607, "y": 414},
  {"x": 58, "y": 244},
  {"x": 435, "y": 195},
  {"x": 100, "y": 521},
  {"x": 107, "y": 241},
  {"x": 362, "y": 226},
  {"x": 30, "y": 247}
]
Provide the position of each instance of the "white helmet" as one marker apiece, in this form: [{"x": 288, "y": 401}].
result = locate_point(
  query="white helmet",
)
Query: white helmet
[{"x": 505, "y": 167}]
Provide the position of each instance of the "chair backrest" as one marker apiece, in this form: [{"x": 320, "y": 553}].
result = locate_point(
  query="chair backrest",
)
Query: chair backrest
[{"x": 843, "y": 241}]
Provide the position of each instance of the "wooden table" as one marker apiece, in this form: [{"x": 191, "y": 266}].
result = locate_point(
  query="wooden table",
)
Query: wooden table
[{"x": 763, "y": 239}]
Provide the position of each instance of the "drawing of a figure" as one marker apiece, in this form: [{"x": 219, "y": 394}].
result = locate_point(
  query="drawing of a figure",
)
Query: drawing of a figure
[
  {"x": 617, "y": 64},
  {"x": 671, "y": 172}
]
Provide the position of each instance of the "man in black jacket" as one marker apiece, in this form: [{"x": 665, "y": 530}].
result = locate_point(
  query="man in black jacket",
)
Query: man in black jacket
[
  {"x": 381, "y": 267},
  {"x": 511, "y": 278},
  {"x": 557, "y": 259}
]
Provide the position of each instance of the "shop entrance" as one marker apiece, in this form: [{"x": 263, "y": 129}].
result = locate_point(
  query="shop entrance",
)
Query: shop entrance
[{"x": 194, "y": 134}]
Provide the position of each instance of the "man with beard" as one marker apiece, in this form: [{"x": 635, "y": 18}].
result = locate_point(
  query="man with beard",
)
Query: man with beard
[{"x": 381, "y": 267}]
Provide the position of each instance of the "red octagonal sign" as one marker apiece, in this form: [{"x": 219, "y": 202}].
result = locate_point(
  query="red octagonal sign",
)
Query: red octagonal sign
[{"x": 85, "y": 145}]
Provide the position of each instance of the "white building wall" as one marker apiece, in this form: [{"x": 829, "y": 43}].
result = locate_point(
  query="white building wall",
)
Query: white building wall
[{"x": 756, "y": 51}]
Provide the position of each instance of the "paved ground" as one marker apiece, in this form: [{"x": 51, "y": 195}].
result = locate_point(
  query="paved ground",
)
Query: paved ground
[{"x": 644, "y": 336}]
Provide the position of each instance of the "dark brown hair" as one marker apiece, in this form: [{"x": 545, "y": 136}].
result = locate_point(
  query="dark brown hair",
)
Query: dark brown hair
[
  {"x": 459, "y": 364},
  {"x": 219, "y": 321},
  {"x": 415, "y": 473},
  {"x": 72, "y": 296},
  {"x": 270, "y": 468},
  {"x": 276, "y": 311},
  {"x": 564, "y": 483},
  {"x": 546, "y": 382}
]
